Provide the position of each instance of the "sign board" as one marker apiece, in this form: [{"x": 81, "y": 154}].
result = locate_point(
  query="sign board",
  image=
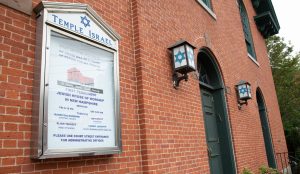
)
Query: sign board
[{"x": 76, "y": 84}]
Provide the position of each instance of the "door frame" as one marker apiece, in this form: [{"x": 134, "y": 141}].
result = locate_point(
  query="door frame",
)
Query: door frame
[
  {"x": 260, "y": 95},
  {"x": 218, "y": 92}
]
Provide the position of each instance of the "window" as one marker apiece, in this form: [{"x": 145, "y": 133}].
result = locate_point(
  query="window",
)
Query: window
[
  {"x": 207, "y": 3},
  {"x": 204, "y": 75},
  {"x": 246, "y": 29}
]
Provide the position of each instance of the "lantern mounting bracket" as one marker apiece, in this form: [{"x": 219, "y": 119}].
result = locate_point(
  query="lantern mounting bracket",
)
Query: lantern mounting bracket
[
  {"x": 177, "y": 78},
  {"x": 241, "y": 103}
]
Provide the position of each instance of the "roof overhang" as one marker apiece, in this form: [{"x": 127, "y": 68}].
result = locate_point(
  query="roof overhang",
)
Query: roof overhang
[{"x": 266, "y": 19}]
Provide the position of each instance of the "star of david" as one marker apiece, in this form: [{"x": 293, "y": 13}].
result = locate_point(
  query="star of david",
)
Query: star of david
[
  {"x": 85, "y": 21},
  {"x": 179, "y": 57},
  {"x": 243, "y": 90}
]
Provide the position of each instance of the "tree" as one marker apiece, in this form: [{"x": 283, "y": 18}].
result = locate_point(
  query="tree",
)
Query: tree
[{"x": 286, "y": 73}]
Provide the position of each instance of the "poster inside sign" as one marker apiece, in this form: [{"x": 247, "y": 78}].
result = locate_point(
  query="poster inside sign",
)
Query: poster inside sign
[{"x": 80, "y": 95}]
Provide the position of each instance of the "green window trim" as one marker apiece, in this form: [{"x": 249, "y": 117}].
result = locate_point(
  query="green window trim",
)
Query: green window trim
[
  {"x": 207, "y": 6},
  {"x": 207, "y": 3},
  {"x": 246, "y": 29}
]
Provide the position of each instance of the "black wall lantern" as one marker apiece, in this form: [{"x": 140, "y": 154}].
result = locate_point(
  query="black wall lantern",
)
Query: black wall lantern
[
  {"x": 243, "y": 89},
  {"x": 183, "y": 61}
]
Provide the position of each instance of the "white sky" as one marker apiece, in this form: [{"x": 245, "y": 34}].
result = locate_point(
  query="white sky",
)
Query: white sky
[{"x": 288, "y": 14}]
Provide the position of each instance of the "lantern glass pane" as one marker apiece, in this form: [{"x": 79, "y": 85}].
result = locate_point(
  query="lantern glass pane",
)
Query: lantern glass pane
[
  {"x": 249, "y": 90},
  {"x": 190, "y": 55},
  {"x": 179, "y": 57},
  {"x": 242, "y": 89}
]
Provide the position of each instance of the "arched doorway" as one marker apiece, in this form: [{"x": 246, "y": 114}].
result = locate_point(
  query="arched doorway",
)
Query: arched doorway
[
  {"x": 265, "y": 128},
  {"x": 217, "y": 129}
]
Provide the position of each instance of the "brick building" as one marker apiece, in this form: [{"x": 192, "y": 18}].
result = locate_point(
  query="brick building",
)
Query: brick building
[{"x": 197, "y": 128}]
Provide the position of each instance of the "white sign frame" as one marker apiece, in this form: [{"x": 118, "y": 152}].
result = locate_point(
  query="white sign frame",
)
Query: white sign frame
[{"x": 40, "y": 145}]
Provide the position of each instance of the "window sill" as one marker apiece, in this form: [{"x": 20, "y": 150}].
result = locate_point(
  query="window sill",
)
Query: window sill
[
  {"x": 255, "y": 61},
  {"x": 208, "y": 10}
]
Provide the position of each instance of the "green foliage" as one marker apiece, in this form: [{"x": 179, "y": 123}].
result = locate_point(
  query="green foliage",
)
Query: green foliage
[
  {"x": 286, "y": 73},
  {"x": 267, "y": 170},
  {"x": 247, "y": 171}
]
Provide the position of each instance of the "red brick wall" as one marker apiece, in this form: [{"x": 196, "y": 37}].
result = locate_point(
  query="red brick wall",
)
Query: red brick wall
[{"x": 162, "y": 128}]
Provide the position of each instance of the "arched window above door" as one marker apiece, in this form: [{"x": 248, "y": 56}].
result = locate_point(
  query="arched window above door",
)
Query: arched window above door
[
  {"x": 208, "y": 70},
  {"x": 203, "y": 77}
]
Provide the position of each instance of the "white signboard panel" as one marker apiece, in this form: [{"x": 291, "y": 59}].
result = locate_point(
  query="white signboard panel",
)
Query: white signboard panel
[
  {"x": 81, "y": 95},
  {"x": 76, "y": 87}
]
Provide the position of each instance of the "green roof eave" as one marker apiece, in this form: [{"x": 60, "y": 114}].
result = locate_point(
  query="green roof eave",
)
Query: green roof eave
[
  {"x": 265, "y": 6},
  {"x": 266, "y": 24}
]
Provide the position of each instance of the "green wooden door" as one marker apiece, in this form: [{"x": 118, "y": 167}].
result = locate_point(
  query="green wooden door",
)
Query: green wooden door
[
  {"x": 266, "y": 130},
  {"x": 212, "y": 120},
  {"x": 216, "y": 122},
  {"x": 267, "y": 138}
]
